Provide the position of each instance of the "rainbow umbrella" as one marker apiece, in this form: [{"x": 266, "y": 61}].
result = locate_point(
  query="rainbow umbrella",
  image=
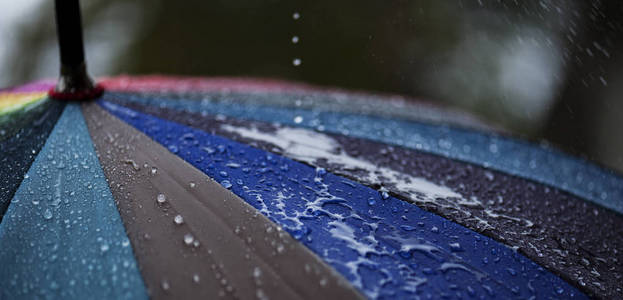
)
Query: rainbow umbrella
[{"x": 169, "y": 187}]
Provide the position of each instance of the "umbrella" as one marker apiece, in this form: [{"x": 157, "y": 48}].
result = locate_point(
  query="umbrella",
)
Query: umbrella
[{"x": 253, "y": 188}]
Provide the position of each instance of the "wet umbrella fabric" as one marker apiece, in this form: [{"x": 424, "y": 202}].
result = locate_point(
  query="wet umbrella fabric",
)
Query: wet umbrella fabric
[{"x": 438, "y": 226}]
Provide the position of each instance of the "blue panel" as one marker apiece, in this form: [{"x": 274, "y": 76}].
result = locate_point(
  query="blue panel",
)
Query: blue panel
[
  {"x": 386, "y": 247},
  {"x": 62, "y": 235},
  {"x": 539, "y": 163}
]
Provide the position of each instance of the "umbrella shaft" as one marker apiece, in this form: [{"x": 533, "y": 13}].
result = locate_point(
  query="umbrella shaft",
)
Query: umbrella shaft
[{"x": 69, "y": 31}]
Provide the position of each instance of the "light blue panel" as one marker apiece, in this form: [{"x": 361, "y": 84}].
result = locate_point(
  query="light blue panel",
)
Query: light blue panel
[
  {"x": 62, "y": 236},
  {"x": 537, "y": 162}
]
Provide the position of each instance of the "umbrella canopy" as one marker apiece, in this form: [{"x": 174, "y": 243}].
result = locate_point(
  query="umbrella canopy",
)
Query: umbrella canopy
[{"x": 252, "y": 188}]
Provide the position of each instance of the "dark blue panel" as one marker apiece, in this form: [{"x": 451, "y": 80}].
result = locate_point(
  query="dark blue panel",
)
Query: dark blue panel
[
  {"x": 539, "y": 163},
  {"x": 62, "y": 237},
  {"x": 384, "y": 246},
  {"x": 19, "y": 151}
]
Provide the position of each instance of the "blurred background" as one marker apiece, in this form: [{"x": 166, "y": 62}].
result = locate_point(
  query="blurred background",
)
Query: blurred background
[{"x": 549, "y": 71}]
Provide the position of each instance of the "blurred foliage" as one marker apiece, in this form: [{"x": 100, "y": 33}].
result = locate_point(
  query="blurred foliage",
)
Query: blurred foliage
[{"x": 545, "y": 70}]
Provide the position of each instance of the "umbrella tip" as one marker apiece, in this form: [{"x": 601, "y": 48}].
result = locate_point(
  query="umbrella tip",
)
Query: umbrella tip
[{"x": 74, "y": 82}]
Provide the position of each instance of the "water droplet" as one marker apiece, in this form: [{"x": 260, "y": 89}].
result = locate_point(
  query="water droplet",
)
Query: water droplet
[
  {"x": 188, "y": 239},
  {"x": 323, "y": 282},
  {"x": 296, "y": 62},
  {"x": 455, "y": 247},
  {"x": 47, "y": 214},
  {"x": 226, "y": 184},
  {"x": 178, "y": 219},
  {"x": 161, "y": 198},
  {"x": 165, "y": 285},
  {"x": 384, "y": 193}
]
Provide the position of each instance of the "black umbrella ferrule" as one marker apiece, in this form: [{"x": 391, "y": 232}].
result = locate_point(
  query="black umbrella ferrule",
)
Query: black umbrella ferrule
[{"x": 74, "y": 82}]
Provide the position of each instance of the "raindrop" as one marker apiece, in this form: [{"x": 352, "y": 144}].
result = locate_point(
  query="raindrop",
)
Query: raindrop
[
  {"x": 321, "y": 171},
  {"x": 47, "y": 214},
  {"x": 295, "y": 39},
  {"x": 165, "y": 285},
  {"x": 161, "y": 198},
  {"x": 188, "y": 239},
  {"x": 179, "y": 220},
  {"x": 384, "y": 193},
  {"x": 296, "y": 62},
  {"x": 455, "y": 247},
  {"x": 226, "y": 184},
  {"x": 323, "y": 282}
]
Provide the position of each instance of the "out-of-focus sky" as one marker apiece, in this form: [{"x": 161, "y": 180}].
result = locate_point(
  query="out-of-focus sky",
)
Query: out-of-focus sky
[{"x": 547, "y": 70}]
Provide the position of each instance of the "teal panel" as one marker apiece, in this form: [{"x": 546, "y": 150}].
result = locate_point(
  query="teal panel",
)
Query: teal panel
[{"x": 62, "y": 236}]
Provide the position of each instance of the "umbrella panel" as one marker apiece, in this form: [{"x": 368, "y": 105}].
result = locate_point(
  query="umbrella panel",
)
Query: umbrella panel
[
  {"x": 19, "y": 151},
  {"x": 380, "y": 254},
  {"x": 180, "y": 222},
  {"x": 62, "y": 236},
  {"x": 487, "y": 201}
]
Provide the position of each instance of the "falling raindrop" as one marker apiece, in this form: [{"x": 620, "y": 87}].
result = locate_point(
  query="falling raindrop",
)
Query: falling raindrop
[{"x": 179, "y": 220}]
